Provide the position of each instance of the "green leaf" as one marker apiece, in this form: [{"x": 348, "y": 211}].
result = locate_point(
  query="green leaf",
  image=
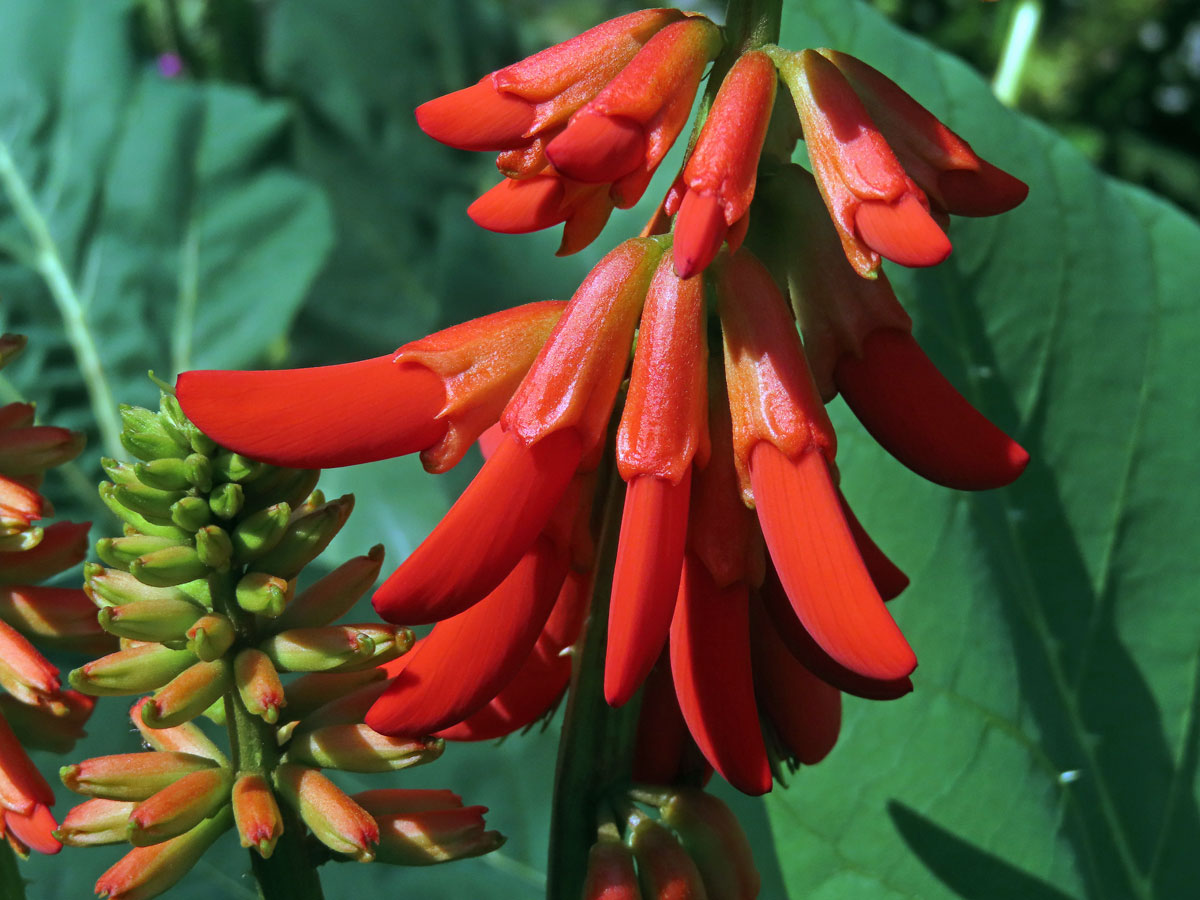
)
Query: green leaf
[
  {"x": 144, "y": 222},
  {"x": 1049, "y": 749}
]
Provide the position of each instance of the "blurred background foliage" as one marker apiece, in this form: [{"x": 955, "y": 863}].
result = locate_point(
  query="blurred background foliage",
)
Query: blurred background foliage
[{"x": 230, "y": 183}]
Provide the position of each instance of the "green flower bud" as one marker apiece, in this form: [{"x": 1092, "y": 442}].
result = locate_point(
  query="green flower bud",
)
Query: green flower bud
[
  {"x": 211, "y": 636},
  {"x": 188, "y": 694},
  {"x": 214, "y": 547},
  {"x": 226, "y": 500},
  {"x": 259, "y": 592},
  {"x": 334, "y": 595},
  {"x": 168, "y": 566},
  {"x": 229, "y": 466},
  {"x": 112, "y": 587},
  {"x": 305, "y": 538},
  {"x": 337, "y": 821},
  {"x": 193, "y": 471},
  {"x": 185, "y": 738},
  {"x": 179, "y": 807},
  {"x": 145, "y": 436},
  {"x": 277, "y": 485},
  {"x": 336, "y": 647},
  {"x": 159, "y": 620},
  {"x": 151, "y": 503},
  {"x": 110, "y": 495},
  {"x": 122, "y": 552},
  {"x": 95, "y": 822},
  {"x": 131, "y": 776},
  {"x": 260, "y": 532},
  {"x": 357, "y": 748},
  {"x": 191, "y": 513},
  {"x": 133, "y": 671}
]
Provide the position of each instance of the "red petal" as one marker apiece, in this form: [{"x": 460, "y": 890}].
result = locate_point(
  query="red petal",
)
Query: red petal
[
  {"x": 63, "y": 545},
  {"x": 477, "y": 118},
  {"x": 484, "y": 534},
  {"x": 34, "y": 830},
  {"x": 518, "y": 207},
  {"x": 903, "y": 231},
  {"x": 988, "y": 191},
  {"x": 805, "y": 711},
  {"x": 699, "y": 231},
  {"x": 710, "y": 661},
  {"x": 320, "y": 417},
  {"x": 645, "y": 581},
  {"x": 819, "y": 566},
  {"x": 921, "y": 419},
  {"x": 467, "y": 659},
  {"x": 598, "y": 149},
  {"x": 809, "y": 653},
  {"x": 541, "y": 679},
  {"x": 889, "y": 580},
  {"x": 662, "y": 734}
]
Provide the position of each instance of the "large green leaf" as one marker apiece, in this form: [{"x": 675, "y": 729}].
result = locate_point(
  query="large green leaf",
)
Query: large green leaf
[
  {"x": 144, "y": 222},
  {"x": 1049, "y": 749}
]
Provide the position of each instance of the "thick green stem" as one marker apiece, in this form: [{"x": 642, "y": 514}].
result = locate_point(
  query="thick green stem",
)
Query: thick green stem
[
  {"x": 289, "y": 873},
  {"x": 12, "y": 886},
  {"x": 594, "y": 752}
]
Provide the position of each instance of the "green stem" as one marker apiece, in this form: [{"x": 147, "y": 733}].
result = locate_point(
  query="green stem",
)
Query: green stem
[
  {"x": 595, "y": 748},
  {"x": 12, "y": 885},
  {"x": 1022, "y": 32},
  {"x": 48, "y": 262},
  {"x": 289, "y": 873}
]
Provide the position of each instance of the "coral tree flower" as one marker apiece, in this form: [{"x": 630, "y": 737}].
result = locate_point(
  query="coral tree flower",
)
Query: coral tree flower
[{"x": 581, "y": 126}]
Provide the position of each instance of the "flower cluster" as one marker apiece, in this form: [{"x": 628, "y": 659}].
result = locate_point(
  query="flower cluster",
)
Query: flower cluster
[
  {"x": 36, "y": 712},
  {"x": 202, "y": 592},
  {"x": 737, "y": 551}
]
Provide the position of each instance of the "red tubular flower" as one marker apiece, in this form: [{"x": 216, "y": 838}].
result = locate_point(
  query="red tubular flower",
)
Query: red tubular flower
[
  {"x": 662, "y": 432},
  {"x": 632, "y": 123},
  {"x": 720, "y": 174},
  {"x": 555, "y": 422},
  {"x": 509, "y": 108},
  {"x": 541, "y": 201},
  {"x": 877, "y": 208},
  {"x": 921, "y": 419},
  {"x": 784, "y": 442},
  {"x": 434, "y": 395},
  {"x": 710, "y": 662},
  {"x": 954, "y": 177}
]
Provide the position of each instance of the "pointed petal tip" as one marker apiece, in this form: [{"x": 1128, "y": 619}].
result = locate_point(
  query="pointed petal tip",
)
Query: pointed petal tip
[
  {"x": 903, "y": 232},
  {"x": 987, "y": 191},
  {"x": 700, "y": 230},
  {"x": 478, "y": 117},
  {"x": 519, "y": 207},
  {"x": 598, "y": 149}
]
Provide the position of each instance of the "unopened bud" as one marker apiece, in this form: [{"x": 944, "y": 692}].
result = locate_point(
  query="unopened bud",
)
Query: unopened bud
[
  {"x": 710, "y": 833},
  {"x": 185, "y": 738},
  {"x": 263, "y": 593},
  {"x": 258, "y": 684},
  {"x": 216, "y": 713},
  {"x": 226, "y": 500},
  {"x": 357, "y": 748},
  {"x": 256, "y": 813},
  {"x": 337, "y": 821},
  {"x": 95, "y": 822},
  {"x": 140, "y": 523},
  {"x": 168, "y": 566},
  {"x": 187, "y": 695},
  {"x": 54, "y": 617},
  {"x": 333, "y": 596},
  {"x": 210, "y": 636},
  {"x": 179, "y": 807},
  {"x": 144, "y": 435},
  {"x": 229, "y": 466},
  {"x": 260, "y": 532},
  {"x": 214, "y": 547},
  {"x": 434, "y": 836},
  {"x": 347, "y": 708},
  {"x": 306, "y": 536},
  {"x": 310, "y": 692},
  {"x": 131, "y": 776},
  {"x": 288, "y": 486},
  {"x": 146, "y": 872},
  {"x": 28, "y": 451},
  {"x": 122, "y": 552},
  {"x": 150, "y": 502},
  {"x": 191, "y": 513},
  {"x": 113, "y": 587},
  {"x": 151, "y": 620},
  {"x": 54, "y": 728},
  {"x": 194, "y": 471},
  {"x": 133, "y": 671},
  {"x": 663, "y": 864},
  {"x": 337, "y": 647},
  {"x": 610, "y": 871}
]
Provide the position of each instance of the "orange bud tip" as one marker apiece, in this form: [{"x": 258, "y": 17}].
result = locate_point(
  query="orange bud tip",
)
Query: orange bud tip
[
  {"x": 986, "y": 191},
  {"x": 919, "y": 417},
  {"x": 645, "y": 581},
  {"x": 699, "y": 230},
  {"x": 597, "y": 148},
  {"x": 903, "y": 232},
  {"x": 319, "y": 417},
  {"x": 477, "y": 118},
  {"x": 518, "y": 207},
  {"x": 820, "y": 567}
]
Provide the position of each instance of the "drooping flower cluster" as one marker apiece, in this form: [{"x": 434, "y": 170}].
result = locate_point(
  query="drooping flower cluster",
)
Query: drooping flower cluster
[
  {"x": 36, "y": 712},
  {"x": 202, "y": 592},
  {"x": 720, "y": 456}
]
